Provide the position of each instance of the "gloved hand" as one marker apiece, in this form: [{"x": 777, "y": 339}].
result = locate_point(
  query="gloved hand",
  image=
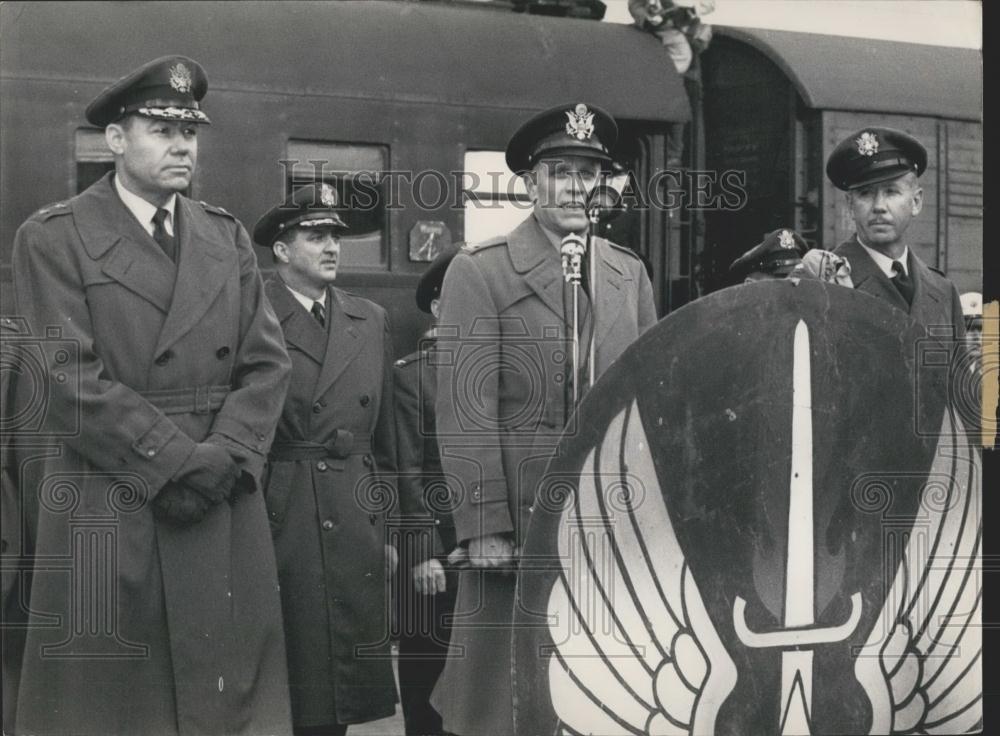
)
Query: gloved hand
[
  {"x": 180, "y": 505},
  {"x": 210, "y": 471}
]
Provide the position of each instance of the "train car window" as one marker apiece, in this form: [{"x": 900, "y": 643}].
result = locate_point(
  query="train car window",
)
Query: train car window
[
  {"x": 356, "y": 171},
  {"x": 93, "y": 159},
  {"x": 495, "y": 200}
]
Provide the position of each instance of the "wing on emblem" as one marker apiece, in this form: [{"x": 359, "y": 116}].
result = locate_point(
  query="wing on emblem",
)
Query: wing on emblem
[
  {"x": 635, "y": 651},
  {"x": 922, "y": 664}
]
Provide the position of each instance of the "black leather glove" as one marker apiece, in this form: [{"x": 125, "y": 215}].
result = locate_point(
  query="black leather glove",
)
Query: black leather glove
[
  {"x": 179, "y": 505},
  {"x": 210, "y": 471}
]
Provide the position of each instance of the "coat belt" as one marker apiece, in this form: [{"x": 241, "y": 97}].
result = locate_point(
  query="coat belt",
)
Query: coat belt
[
  {"x": 197, "y": 400},
  {"x": 342, "y": 445}
]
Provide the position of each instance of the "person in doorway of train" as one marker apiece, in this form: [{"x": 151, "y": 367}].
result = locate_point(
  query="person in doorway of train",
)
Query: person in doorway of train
[
  {"x": 879, "y": 169},
  {"x": 425, "y": 597},
  {"x": 678, "y": 25},
  {"x": 164, "y": 384},
  {"x": 504, "y": 333},
  {"x": 332, "y": 472}
]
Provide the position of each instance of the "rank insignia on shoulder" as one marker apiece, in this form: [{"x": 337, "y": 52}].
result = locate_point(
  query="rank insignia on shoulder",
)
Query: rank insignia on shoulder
[
  {"x": 473, "y": 247},
  {"x": 581, "y": 122},
  {"x": 59, "y": 208}
]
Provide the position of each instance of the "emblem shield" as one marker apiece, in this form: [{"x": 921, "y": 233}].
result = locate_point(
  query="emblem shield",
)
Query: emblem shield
[{"x": 742, "y": 534}]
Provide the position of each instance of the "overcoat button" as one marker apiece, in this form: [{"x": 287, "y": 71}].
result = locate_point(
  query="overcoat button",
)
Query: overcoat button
[
  {"x": 367, "y": 460},
  {"x": 321, "y": 466},
  {"x": 165, "y": 358},
  {"x": 327, "y": 525},
  {"x": 222, "y": 352},
  {"x": 317, "y": 408},
  {"x": 366, "y": 400}
]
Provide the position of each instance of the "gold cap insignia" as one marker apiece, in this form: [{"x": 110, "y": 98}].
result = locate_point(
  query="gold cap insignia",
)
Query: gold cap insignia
[
  {"x": 867, "y": 144},
  {"x": 581, "y": 122},
  {"x": 180, "y": 78},
  {"x": 785, "y": 239},
  {"x": 327, "y": 195}
]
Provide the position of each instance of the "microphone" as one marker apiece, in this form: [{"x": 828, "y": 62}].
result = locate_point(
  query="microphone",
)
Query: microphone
[
  {"x": 604, "y": 204},
  {"x": 573, "y": 249}
]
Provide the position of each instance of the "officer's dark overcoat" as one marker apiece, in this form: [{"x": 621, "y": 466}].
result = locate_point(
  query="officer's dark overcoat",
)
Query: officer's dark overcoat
[
  {"x": 331, "y": 483},
  {"x": 139, "y": 626}
]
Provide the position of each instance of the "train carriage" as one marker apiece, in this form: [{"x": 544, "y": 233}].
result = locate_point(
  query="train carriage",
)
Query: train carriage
[{"x": 398, "y": 99}]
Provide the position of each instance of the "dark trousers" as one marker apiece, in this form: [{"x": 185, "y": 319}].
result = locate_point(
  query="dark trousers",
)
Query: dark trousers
[{"x": 424, "y": 632}]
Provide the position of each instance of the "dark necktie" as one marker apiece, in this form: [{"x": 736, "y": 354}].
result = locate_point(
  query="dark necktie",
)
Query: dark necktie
[
  {"x": 902, "y": 282},
  {"x": 160, "y": 235},
  {"x": 319, "y": 313}
]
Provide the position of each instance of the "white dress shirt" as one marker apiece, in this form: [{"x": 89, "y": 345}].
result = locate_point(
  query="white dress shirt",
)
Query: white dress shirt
[
  {"x": 307, "y": 302},
  {"x": 884, "y": 262},
  {"x": 143, "y": 211}
]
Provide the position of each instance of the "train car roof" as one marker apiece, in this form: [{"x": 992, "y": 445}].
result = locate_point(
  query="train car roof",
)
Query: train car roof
[
  {"x": 870, "y": 75},
  {"x": 396, "y": 51}
]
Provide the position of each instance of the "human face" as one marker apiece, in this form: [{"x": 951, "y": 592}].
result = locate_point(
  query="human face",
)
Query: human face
[
  {"x": 883, "y": 211},
  {"x": 307, "y": 257},
  {"x": 559, "y": 189},
  {"x": 154, "y": 158}
]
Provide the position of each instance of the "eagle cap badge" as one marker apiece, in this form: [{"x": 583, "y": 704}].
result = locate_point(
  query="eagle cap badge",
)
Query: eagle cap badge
[
  {"x": 785, "y": 239},
  {"x": 867, "y": 144},
  {"x": 327, "y": 195},
  {"x": 580, "y": 123},
  {"x": 180, "y": 78}
]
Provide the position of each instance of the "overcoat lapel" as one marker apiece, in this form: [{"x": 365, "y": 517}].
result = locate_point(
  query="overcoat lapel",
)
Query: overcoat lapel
[
  {"x": 126, "y": 252},
  {"x": 534, "y": 257},
  {"x": 203, "y": 265},
  {"x": 300, "y": 328},
  {"x": 344, "y": 340},
  {"x": 610, "y": 289},
  {"x": 868, "y": 277},
  {"x": 929, "y": 299}
]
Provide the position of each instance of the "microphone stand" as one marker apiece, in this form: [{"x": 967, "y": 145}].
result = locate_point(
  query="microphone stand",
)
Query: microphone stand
[
  {"x": 572, "y": 251},
  {"x": 593, "y": 214}
]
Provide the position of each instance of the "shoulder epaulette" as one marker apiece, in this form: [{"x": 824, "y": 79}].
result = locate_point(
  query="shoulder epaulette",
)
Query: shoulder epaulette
[
  {"x": 51, "y": 210},
  {"x": 483, "y": 244},
  {"x": 623, "y": 249},
  {"x": 216, "y": 210}
]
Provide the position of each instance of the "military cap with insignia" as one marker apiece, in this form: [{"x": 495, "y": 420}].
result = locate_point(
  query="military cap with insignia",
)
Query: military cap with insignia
[
  {"x": 576, "y": 129},
  {"x": 874, "y": 155},
  {"x": 776, "y": 255},
  {"x": 314, "y": 205},
  {"x": 168, "y": 88},
  {"x": 429, "y": 286}
]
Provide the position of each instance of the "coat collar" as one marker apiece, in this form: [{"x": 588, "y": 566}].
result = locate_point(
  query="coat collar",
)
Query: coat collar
[
  {"x": 533, "y": 256},
  {"x": 332, "y": 349},
  {"x": 183, "y": 291},
  {"x": 868, "y": 277}
]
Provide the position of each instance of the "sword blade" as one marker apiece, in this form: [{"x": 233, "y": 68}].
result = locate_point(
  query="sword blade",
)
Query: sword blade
[{"x": 799, "y": 570}]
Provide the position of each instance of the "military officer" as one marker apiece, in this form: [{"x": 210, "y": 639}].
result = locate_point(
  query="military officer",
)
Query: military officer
[
  {"x": 774, "y": 257},
  {"x": 426, "y": 596},
  {"x": 165, "y": 371},
  {"x": 332, "y": 472},
  {"x": 879, "y": 169},
  {"x": 501, "y": 394}
]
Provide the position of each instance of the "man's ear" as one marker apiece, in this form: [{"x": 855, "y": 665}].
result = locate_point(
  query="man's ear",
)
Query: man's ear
[
  {"x": 530, "y": 179},
  {"x": 280, "y": 252},
  {"x": 436, "y": 308},
  {"x": 114, "y": 136},
  {"x": 918, "y": 201}
]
